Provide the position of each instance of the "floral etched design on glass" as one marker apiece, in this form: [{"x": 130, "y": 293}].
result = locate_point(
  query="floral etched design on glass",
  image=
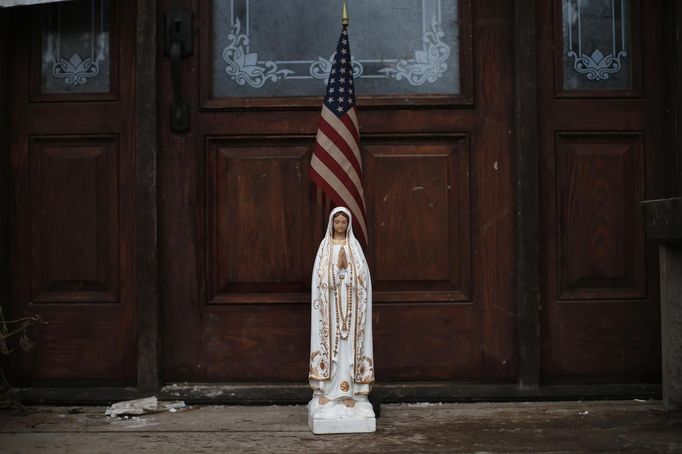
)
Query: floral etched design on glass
[
  {"x": 75, "y": 47},
  {"x": 597, "y": 49},
  {"x": 398, "y": 47}
]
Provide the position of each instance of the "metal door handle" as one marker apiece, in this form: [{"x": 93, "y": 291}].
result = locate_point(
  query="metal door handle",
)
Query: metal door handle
[{"x": 178, "y": 46}]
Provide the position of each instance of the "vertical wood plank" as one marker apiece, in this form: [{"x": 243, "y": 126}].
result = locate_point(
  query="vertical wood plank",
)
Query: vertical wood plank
[
  {"x": 527, "y": 190},
  {"x": 146, "y": 250},
  {"x": 678, "y": 95},
  {"x": 674, "y": 56},
  {"x": 4, "y": 165},
  {"x": 492, "y": 170},
  {"x": 4, "y": 154},
  {"x": 671, "y": 324}
]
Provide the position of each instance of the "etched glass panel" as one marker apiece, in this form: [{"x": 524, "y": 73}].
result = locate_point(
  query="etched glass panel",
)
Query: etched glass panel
[
  {"x": 597, "y": 44},
  {"x": 276, "y": 48},
  {"x": 75, "y": 47}
]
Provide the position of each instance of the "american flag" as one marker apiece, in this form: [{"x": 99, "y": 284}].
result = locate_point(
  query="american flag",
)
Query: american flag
[{"x": 336, "y": 164}]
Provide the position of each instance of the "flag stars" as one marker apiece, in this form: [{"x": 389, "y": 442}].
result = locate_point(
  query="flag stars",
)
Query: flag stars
[{"x": 340, "y": 98}]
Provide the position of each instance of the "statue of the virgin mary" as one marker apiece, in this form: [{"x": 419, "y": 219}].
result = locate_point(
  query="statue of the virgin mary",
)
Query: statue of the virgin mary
[{"x": 341, "y": 356}]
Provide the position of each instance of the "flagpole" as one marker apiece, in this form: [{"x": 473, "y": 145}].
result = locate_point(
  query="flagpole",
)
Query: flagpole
[{"x": 344, "y": 15}]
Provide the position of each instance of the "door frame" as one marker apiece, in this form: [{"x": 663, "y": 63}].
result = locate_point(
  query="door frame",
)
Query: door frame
[{"x": 148, "y": 36}]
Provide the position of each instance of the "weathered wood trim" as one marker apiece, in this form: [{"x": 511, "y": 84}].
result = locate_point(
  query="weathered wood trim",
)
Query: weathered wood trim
[
  {"x": 663, "y": 219},
  {"x": 675, "y": 87},
  {"x": 671, "y": 322},
  {"x": 146, "y": 246},
  {"x": 500, "y": 393},
  {"x": 527, "y": 194},
  {"x": 288, "y": 393},
  {"x": 4, "y": 166},
  {"x": 673, "y": 57}
]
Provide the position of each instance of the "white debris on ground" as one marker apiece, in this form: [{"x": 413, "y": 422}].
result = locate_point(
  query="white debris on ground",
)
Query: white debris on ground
[
  {"x": 144, "y": 406},
  {"x": 421, "y": 404},
  {"x": 133, "y": 407},
  {"x": 174, "y": 406},
  {"x": 134, "y": 422}
]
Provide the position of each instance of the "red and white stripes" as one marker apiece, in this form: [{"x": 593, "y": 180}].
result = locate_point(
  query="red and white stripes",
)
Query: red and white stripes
[{"x": 336, "y": 165}]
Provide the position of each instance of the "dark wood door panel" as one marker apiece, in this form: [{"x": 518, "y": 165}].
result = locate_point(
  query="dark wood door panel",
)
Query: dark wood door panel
[
  {"x": 609, "y": 341},
  {"x": 246, "y": 342},
  {"x": 270, "y": 343},
  {"x": 239, "y": 230},
  {"x": 74, "y": 214},
  {"x": 600, "y": 155},
  {"x": 71, "y": 235},
  {"x": 420, "y": 211},
  {"x": 258, "y": 218},
  {"x": 253, "y": 312},
  {"x": 417, "y": 341},
  {"x": 600, "y": 184},
  {"x": 253, "y": 309},
  {"x": 82, "y": 343}
]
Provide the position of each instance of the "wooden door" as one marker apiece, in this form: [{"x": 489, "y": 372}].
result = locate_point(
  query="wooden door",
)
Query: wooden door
[
  {"x": 602, "y": 106},
  {"x": 71, "y": 190},
  {"x": 238, "y": 227}
]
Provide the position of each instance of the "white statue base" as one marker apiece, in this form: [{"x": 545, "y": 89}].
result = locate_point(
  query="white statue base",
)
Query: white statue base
[{"x": 335, "y": 418}]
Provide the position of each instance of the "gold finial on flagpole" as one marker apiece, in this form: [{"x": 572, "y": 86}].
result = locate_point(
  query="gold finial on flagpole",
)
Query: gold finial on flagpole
[{"x": 344, "y": 14}]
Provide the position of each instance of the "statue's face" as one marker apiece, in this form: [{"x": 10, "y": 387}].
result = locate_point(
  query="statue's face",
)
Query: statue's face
[{"x": 340, "y": 225}]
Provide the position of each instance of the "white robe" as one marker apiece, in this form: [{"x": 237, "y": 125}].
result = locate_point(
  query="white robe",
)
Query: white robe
[{"x": 341, "y": 360}]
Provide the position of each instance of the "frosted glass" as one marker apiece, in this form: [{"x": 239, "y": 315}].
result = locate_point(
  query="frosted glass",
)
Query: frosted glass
[{"x": 275, "y": 48}]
